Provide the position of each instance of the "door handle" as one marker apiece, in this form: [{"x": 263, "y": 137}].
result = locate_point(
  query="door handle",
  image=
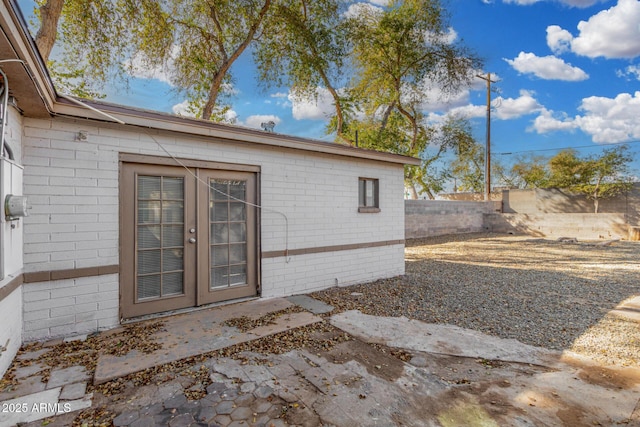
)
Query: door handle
[{"x": 192, "y": 240}]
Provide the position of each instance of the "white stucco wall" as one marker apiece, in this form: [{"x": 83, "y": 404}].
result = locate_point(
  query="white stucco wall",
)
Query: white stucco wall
[
  {"x": 73, "y": 187},
  {"x": 11, "y": 235}
]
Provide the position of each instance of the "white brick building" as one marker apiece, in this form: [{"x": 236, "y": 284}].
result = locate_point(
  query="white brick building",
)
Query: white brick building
[{"x": 164, "y": 213}]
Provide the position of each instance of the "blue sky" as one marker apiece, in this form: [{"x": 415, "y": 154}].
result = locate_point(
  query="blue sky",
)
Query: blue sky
[{"x": 568, "y": 75}]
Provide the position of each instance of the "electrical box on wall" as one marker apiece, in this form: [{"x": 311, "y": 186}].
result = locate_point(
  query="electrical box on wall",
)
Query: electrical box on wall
[{"x": 15, "y": 207}]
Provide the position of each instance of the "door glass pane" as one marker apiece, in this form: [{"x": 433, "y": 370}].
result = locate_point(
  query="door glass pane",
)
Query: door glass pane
[
  {"x": 172, "y": 212},
  {"x": 172, "y": 189},
  {"x": 172, "y": 260},
  {"x": 148, "y": 236},
  {"x": 172, "y": 284},
  {"x": 228, "y": 228},
  {"x": 149, "y": 286},
  {"x": 148, "y": 212},
  {"x": 237, "y": 253},
  {"x": 220, "y": 211},
  {"x": 220, "y": 232},
  {"x": 237, "y": 232},
  {"x": 237, "y": 212},
  {"x": 160, "y": 236},
  {"x": 149, "y": 261},
  {"x": 238, "y": 274},
  {"x": 149, "y": 187},
  {"x": 220, "y": 255},
  {"x": 172, "y": 236},
  {"x": 219, "y": 277}
]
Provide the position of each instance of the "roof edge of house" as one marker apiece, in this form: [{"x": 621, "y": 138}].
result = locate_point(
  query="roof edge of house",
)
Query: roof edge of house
[
  {"x": 15, "y": 27},
  {"x": 199, "y": 127}
]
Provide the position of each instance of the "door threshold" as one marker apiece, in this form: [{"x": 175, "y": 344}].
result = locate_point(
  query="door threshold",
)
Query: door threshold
[{"x": 184, "y": 310}]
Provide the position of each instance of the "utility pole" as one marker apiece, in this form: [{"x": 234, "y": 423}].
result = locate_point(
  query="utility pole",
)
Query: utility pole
[{"x": 487, "y": 149}]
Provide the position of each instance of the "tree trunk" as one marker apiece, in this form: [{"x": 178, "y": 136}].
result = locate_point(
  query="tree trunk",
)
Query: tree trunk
[
  {"x": 595, "y": 204},
  {"x": 50, "y": 13},
  {"x": 207, "y": 111},
  {"x": 413, "y": 192}
]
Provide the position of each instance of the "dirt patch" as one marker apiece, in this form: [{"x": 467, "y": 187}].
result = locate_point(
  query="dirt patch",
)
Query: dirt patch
[
  {"x": 609, "y": 378},
  {"x": 377, "y": 362}
]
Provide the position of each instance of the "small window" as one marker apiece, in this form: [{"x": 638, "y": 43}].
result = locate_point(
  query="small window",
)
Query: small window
[{"x": 368, "y": 195}]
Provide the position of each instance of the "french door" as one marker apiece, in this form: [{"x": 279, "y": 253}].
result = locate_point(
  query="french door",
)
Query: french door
[{"x": 188, "y": 237}]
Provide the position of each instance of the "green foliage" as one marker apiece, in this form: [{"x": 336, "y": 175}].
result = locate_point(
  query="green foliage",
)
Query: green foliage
[
  {"x": 468, "y": 168},
  {"x": 596, "y": 177},
  {"x": 378, "y": 65},
  {"x": 531, "y": 172}
]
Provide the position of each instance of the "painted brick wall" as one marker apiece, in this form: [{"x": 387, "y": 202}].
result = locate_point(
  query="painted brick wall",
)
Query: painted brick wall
[
  {"x": 73, "y": 187},
  {"x": 70, "y": 307},
  {"x": 424, "y": 218}
]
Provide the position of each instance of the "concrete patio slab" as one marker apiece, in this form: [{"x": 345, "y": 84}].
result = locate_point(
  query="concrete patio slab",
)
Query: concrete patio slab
[
  {"x": 200, "y": 332},
  {"x": 311, "y": 304},
  {"x": 440, "y": 339},
  {"x": 32, "y": 407}
]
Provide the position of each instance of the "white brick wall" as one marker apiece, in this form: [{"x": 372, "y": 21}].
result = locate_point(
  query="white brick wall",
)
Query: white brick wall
[
  {"x": 69, "y": 307},
  {"x": 74, "y": 191},
  {"x": 308, "y": 273}
]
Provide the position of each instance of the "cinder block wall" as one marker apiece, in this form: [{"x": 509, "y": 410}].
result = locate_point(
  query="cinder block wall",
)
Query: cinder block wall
[
  {"x": 553, "y": 200},
  {"x": 424, "y": 218},
  {"x": 555, "y": 225},
  {"x": 73, "y": 186}
]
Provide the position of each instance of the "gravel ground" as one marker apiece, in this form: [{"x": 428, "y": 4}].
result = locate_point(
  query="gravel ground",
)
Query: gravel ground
[{"x": 541, "y": 292}]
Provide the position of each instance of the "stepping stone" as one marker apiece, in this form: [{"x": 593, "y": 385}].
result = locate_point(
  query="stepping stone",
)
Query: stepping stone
[
  {"x": 310, "y": 304},
  {"x": 60, "y": 377},
  {"x": 27, "y": 371},
  {"x": 73, "y": 391},
  {"x": 37, "y": 407}
]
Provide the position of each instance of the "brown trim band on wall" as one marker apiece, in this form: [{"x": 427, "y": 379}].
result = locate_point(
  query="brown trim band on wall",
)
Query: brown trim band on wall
[
  {"x": 336, "y": 248},
  {"x": 73, "y": 273},
  {"x": 8, "y": 289}
]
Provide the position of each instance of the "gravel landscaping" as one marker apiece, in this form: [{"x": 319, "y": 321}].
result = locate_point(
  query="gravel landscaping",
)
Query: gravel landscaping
[{"x": 541, "y": 292}]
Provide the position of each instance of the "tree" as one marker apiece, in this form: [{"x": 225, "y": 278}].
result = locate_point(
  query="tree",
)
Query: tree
[
  {"x": 398, "y": 53},
  {"x": 306, "y": 50},
  {"x": 531, "y": 172},
  {"x": 468, "y": 165},
  {"x": 197, "y": 41},
  {"x": 596, "y": 177}
]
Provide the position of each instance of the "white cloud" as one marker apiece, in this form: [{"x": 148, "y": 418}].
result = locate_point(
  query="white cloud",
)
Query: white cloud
[
  {"x": 279, "y": 95},
  {"x": 610, "y": 120},
  {"x": 182, "y": 109},
  {"x": 632, "y": 72},
  {"x": 546, "y": 67},
  {"x": 256, "y": 121},
  {"x": 315, "y": 109},
  {"x": 513, "y": 108},
  {"x": 356, "y": 10},
  {"x": 138, "y": 66},
  {"x": 558, "y": 40},
  {"x": 548, "y": 121},
  {"x": 606, "y": 120},
  {"x": 611, "y": 33},
  {"x": 502, "y": 108}
]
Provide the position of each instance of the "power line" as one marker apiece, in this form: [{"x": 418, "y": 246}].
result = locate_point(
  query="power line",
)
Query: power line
[{"x": 564, "y": 148}]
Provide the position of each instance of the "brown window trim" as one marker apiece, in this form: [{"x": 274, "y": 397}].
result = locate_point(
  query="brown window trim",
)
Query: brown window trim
[
  {"x": 191, "y": 163},
  {"x": 368, "y": 210},
  {"x": 335, "y": 248},
  {"x": 72, "y": 273}
]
